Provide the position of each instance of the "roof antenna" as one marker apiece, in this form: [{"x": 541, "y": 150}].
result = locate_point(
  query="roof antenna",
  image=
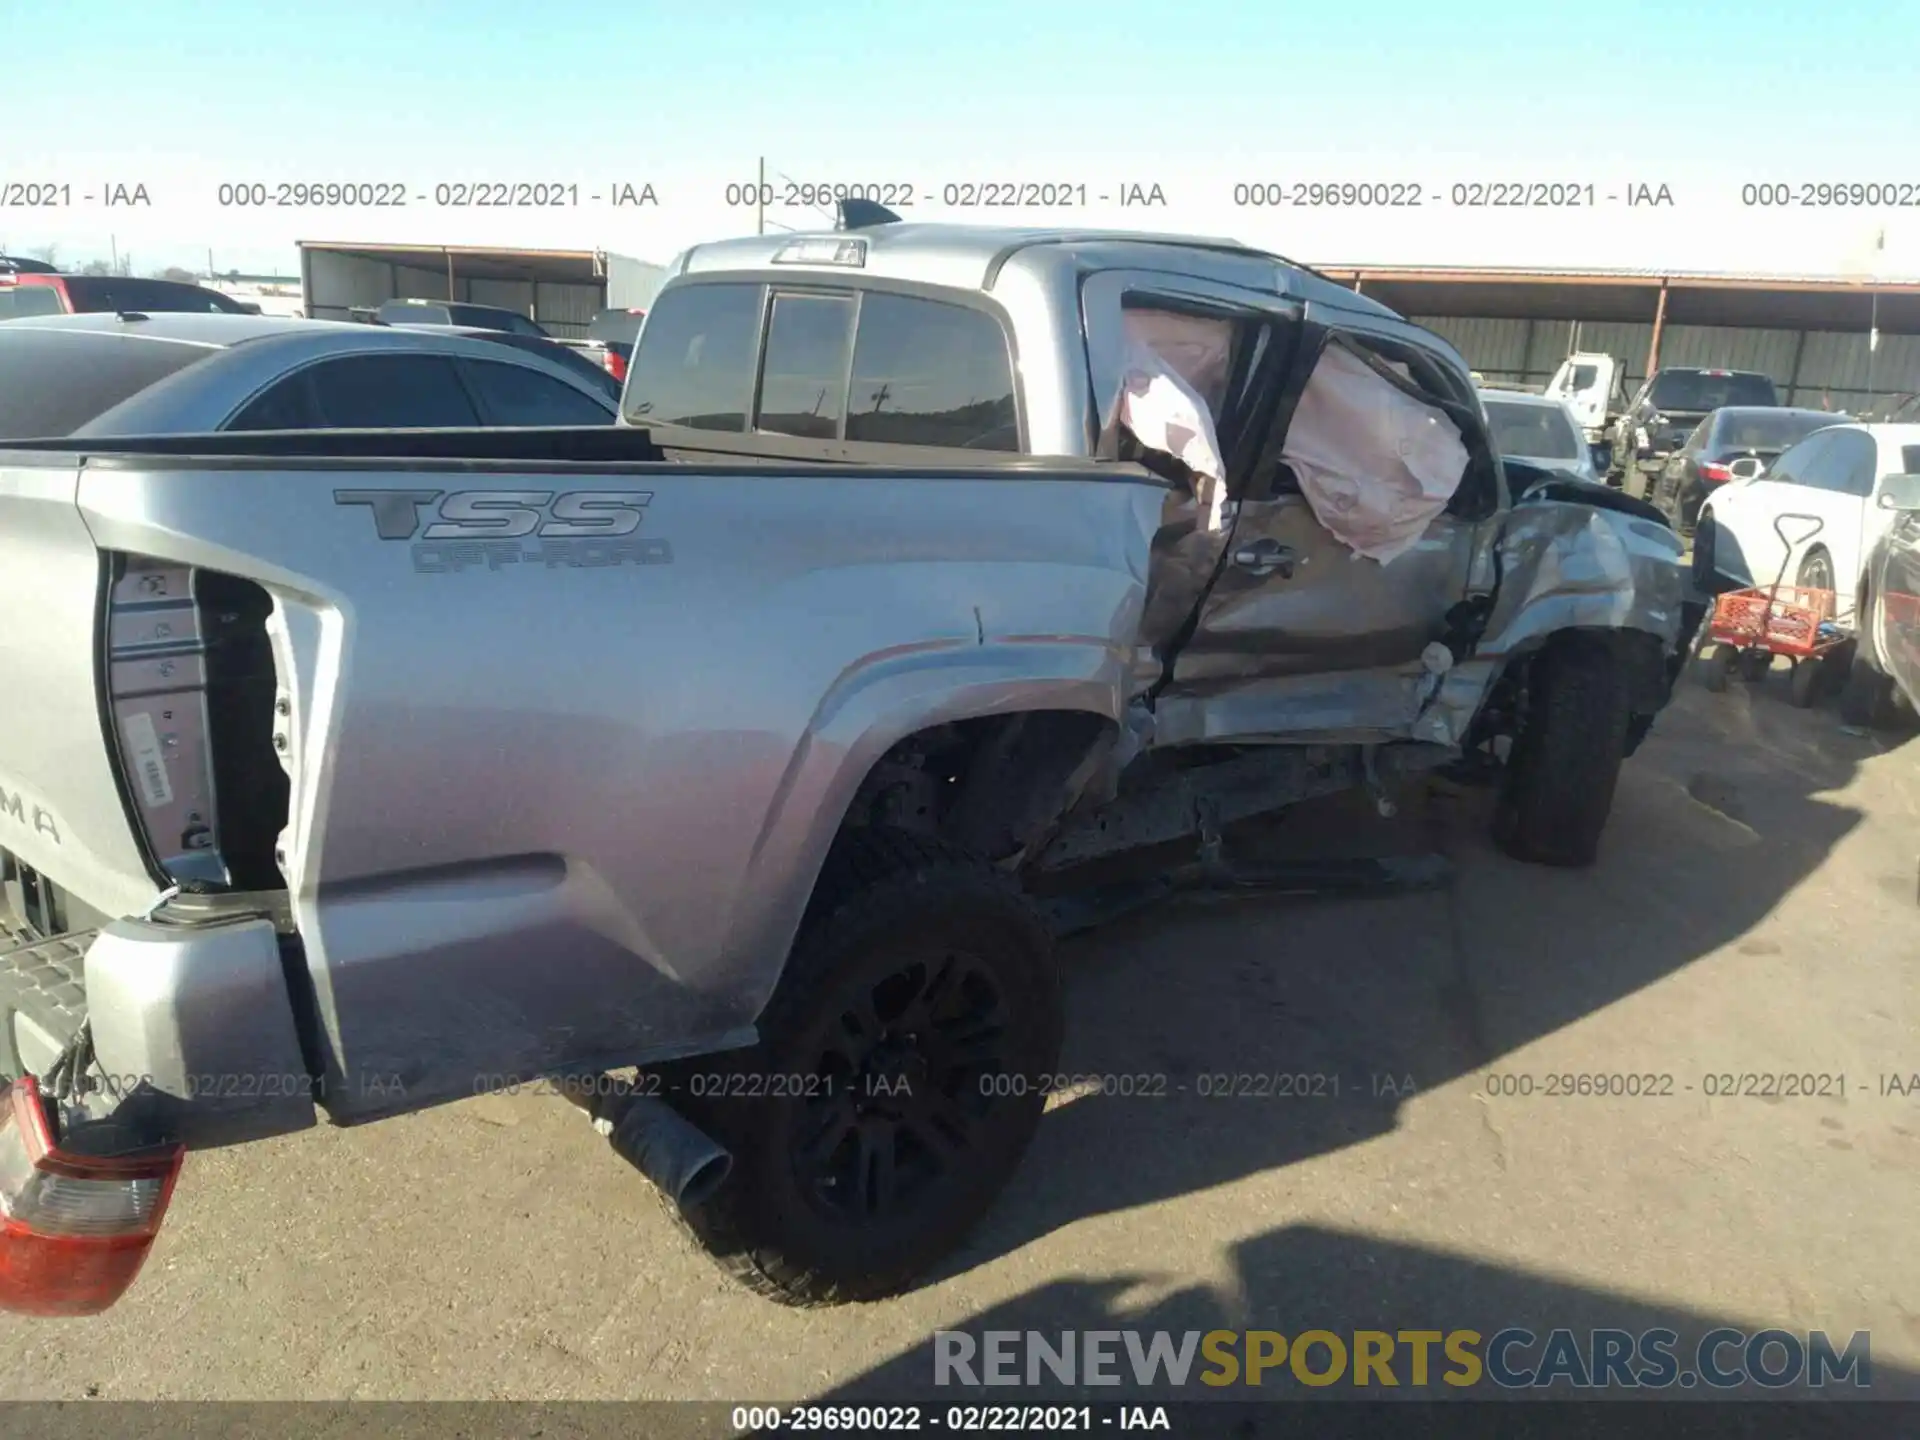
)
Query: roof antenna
[{"x": 857, "y": 214}]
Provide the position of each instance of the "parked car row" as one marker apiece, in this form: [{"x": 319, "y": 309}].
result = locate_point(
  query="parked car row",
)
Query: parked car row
[{"x": 1837, "y": 511}]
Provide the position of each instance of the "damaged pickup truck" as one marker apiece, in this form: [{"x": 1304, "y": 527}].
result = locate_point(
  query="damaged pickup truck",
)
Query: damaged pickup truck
[{"x": 711, "y": 764}]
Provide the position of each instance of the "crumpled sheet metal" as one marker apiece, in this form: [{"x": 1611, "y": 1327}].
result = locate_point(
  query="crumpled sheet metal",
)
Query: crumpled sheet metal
[
  {"x": 1565, "y": 566},
  {"x": 1375, "y": 463}
]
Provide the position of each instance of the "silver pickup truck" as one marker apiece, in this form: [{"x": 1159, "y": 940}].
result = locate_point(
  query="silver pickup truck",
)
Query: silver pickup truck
[{"x": 708, "y": 766}]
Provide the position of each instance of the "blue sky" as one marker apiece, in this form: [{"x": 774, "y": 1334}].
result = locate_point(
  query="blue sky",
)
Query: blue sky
[{"x": 1195, "y": 97}]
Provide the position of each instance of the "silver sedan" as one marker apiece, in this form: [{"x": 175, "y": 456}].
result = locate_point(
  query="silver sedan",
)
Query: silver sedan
[
  {"x": 1538, "y": 429},
  {"x": 176, "y": 374}
]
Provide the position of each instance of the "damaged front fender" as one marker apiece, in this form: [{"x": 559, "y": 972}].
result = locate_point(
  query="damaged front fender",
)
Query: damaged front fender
[{"x": 1563, "y": 565}]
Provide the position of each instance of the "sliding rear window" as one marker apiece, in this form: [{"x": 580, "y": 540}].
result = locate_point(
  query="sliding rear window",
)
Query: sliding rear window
[{"x": 54, "y": 381}]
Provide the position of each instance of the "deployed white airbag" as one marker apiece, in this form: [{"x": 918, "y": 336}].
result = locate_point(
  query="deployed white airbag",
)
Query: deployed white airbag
[
  {"x": 1375, "y": 463},
  {"x": 1173, "y": 375}
]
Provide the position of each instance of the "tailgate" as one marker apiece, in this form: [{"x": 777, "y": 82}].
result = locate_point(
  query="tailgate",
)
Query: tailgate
[{"x": 63, "y": 808}]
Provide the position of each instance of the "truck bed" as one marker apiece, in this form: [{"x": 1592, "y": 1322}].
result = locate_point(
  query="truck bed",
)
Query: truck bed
[{"x": 475, "y": 701}]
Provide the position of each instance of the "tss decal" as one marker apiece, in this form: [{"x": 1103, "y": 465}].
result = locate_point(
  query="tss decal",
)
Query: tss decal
[{"x": 473, "y": 529}]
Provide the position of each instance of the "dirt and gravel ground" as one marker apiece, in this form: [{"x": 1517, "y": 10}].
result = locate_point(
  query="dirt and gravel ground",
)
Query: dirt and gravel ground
[{"x": 1754, "y": 913}]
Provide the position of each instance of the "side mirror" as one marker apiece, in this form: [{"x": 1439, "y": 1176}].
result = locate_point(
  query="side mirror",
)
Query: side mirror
[
  {"x": 1602, "y": 456},
  {"x": 1900, "y": 492},
  {"x": 1748, "y": 467}
]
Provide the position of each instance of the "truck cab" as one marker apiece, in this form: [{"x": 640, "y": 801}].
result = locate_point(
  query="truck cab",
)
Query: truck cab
[
  {"x": 889, "y": 343},
  {"x": 1591, "y": 384}
]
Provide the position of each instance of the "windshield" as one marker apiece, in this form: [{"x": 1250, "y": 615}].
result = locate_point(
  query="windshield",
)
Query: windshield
[
  {"x": 1743, "y": 431},
  {"x": 1705, "y": 390},
  {"x": 1539, "y": 432},
  {"x": 54, "y": 381}
]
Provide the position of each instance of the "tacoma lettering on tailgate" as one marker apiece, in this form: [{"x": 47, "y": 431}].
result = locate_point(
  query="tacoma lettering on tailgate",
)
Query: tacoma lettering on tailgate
[
  {"x": 34, "y": 817},
  {"x": 493, "y": 529}
]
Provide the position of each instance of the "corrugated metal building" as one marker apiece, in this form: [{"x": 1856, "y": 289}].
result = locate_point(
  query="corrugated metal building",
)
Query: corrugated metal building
[
  {"x": 1815, "y": 337},
  {"x": 559, "y": 289}
]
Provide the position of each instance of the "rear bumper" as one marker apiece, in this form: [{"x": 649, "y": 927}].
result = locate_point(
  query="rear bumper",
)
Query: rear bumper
[{"x": 192, "y": 1029}]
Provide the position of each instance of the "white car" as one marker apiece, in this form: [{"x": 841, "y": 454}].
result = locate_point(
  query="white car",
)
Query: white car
[
  {"x": 1811, "y": 518},
  {"x": 1538, "y": 429}
]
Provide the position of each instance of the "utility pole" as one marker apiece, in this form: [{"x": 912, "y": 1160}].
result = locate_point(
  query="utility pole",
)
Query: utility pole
[
  {"x": 1873, "y": 310},
  {"x": 113, "y": 247},
  {"x": 1659, "y": 324},
  {"x": 760, "y": 200}
]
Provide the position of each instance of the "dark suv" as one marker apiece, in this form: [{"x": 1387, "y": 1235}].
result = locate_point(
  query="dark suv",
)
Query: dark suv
[
  {"x": 1726, "y": 437},
  {"x": 1667, "y": 408},
  {"x": 43, "y": 291}
]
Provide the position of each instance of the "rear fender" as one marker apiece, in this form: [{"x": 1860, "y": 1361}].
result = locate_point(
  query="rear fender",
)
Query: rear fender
[{"x": 884, "y": 700}]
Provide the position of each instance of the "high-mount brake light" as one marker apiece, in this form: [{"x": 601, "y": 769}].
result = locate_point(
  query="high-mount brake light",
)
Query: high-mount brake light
[
  {"x": 821, "y": 251},
  {"x": 74, "y": 1228}
]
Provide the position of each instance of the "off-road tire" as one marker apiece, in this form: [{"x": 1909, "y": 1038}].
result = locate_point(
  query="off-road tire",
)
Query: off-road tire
[
  {"x": 1867, "y": 699},
  {"x": 1566, "y": 758},
  {"x": 882, "y": 895}
]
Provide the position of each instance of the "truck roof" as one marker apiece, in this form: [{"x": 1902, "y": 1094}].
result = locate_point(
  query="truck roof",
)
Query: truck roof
[{"x": 972, "y": 257}]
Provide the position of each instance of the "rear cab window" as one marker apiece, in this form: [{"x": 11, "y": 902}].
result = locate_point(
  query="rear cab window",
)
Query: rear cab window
[
  {"x": 54, "y": 381},
  {"x": 694, "y": 364},
  {"x": 803, "y": 373},
  {"x": 833, "y": 364}
]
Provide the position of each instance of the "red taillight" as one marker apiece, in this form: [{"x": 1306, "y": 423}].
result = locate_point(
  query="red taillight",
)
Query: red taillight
[
  {"x": 1715, "y": 474},
  {"x": 616, "y": 367},
  {"x": 74, "y": 1229}
]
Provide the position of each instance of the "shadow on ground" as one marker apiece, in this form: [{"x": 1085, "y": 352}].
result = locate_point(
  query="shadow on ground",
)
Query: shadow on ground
[
  {"x": 1718, "y": 817},
  {"x": 1305, "y": 1277}
]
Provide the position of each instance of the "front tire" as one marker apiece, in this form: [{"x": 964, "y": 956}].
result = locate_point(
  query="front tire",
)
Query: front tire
[
  {"x": 1565, "y": 762},
  {"x": 917, "y": 1016},
  {"x": 1816, "y": 570},
  {"x": 1705, "y": 578}
]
